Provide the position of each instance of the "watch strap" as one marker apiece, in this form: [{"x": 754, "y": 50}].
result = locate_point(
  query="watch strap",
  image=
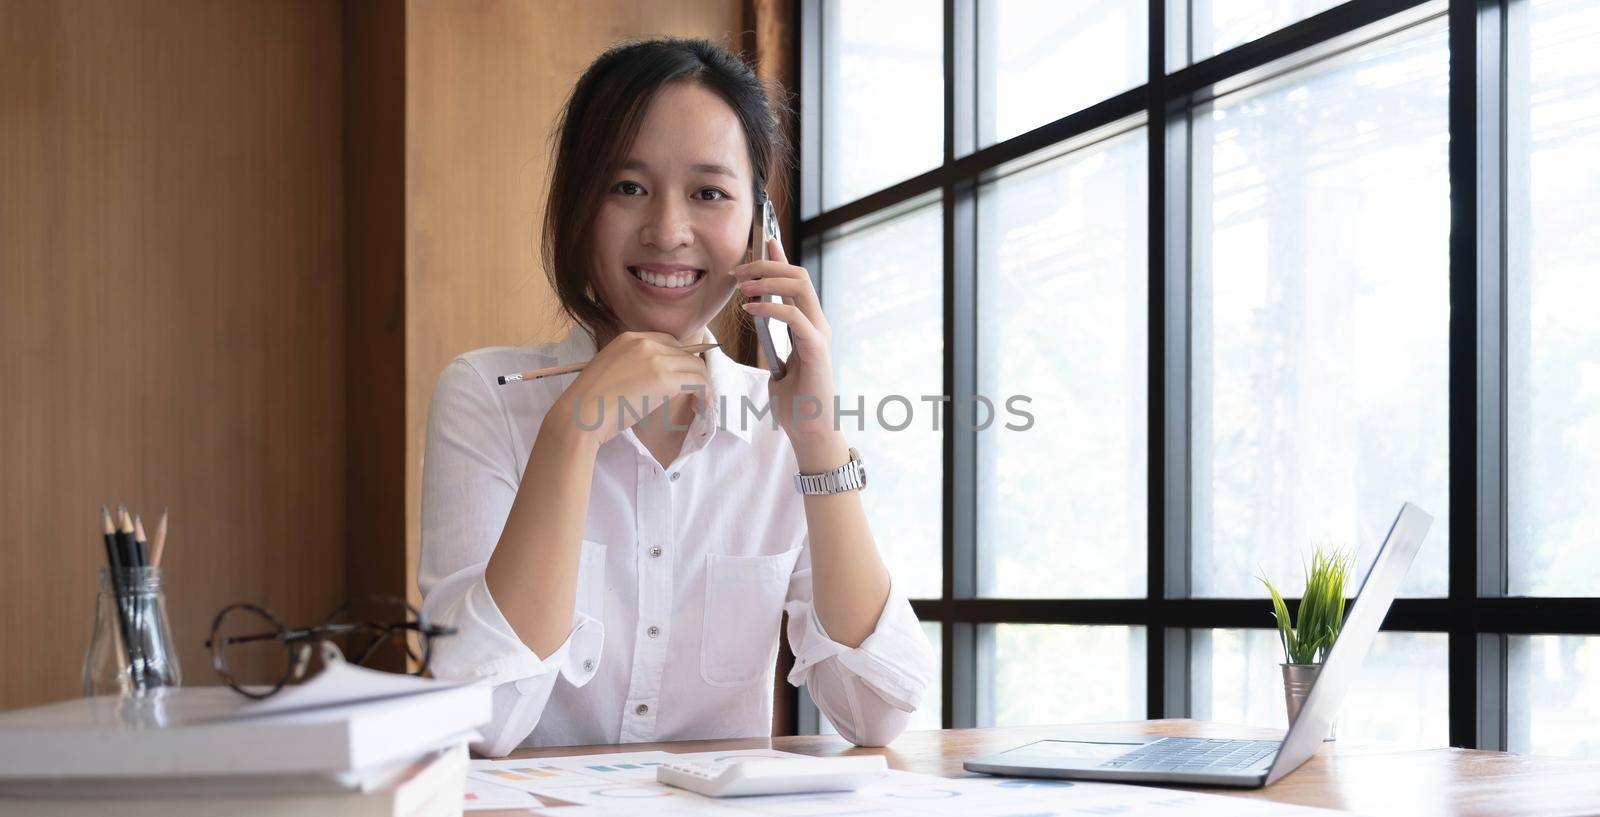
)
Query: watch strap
[{"x": 852, "y": 476}]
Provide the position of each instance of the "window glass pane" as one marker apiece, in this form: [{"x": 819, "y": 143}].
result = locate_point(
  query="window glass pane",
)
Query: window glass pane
[
  {"x": 1320, "y": 316},
  {"x": 1222, "y": 24},
  {"x": 1553, "y": 286},
  {"x": 1553, "y": 687},
  {"x": 1401, "y": 695},
  {"x": 931, "y": 713},
  {"x": 1027, "y": 47},
  {"x": 1051, "y": 673},
  {"x": 1062, "y": 321},
  {"x": 883, "y": 293},
  {"x": 882, "y": 94}
]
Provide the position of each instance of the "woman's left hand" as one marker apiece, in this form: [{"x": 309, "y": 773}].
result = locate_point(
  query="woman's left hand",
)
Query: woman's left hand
[{"x": 809, "y": 368}]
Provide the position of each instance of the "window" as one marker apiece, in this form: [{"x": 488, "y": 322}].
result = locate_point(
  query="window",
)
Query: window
[
  {"x": 1321, "y": 316},
  {"x": 880, "y": 282},
  {"x": 1553, "y": 287},
  {"x": 1219, "y": 25},
  {"x": 1051, "y": 673},
  {"x": 1039, "y": 60},
  {"x": 1235, "y": 679},
  {"x": 883, "y": 91},
  {"x": 1555, "y": 695},
  {"x": 1335, "y": 257},
  {"x": 1062, "y": 321}
]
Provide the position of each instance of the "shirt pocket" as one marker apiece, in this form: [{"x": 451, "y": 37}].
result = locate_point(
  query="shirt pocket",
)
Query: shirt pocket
[
  {"x": 744, "y": 605},
  {"x": 591, "y": 596}
]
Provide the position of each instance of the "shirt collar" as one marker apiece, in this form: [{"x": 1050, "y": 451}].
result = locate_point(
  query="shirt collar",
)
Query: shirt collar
[{"x": 730, "y": 380}]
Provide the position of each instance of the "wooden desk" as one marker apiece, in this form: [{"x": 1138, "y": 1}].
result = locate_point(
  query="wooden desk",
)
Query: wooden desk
[{"x": 1368, "y": 778}]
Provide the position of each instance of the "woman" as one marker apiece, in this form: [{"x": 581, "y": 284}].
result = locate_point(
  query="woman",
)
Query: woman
[{"x": 623, "y": 580}]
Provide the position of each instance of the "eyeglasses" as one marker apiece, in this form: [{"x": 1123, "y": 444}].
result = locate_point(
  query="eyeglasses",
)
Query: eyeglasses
[{"x": 257, "y": 655}]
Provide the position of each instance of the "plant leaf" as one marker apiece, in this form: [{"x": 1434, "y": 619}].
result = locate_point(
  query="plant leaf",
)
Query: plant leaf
[{"x": 1286, "y": 633}]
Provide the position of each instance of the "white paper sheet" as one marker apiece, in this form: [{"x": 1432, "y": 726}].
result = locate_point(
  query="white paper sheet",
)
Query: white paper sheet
[
  {"x": 482, "y": 795},
  {"x": 624, "y": 784}
]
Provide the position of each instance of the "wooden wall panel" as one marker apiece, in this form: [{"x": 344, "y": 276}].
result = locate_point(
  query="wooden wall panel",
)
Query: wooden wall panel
[
  {"x": 375, "y": 311},
  {"x": 171, "y": 324}
]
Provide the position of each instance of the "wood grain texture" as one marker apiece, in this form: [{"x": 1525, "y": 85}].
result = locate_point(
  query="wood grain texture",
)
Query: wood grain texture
[
  {"x": 375, "y": 312},
  {"x": 171, "y": 305},
  {"x": 1368, "y": 778}
]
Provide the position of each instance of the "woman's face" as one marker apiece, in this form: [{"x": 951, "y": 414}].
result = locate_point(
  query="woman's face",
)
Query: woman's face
[{"x": 676, "y": 216}]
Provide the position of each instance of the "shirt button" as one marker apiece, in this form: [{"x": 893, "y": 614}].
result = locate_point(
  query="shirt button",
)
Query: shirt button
[
  {"x": 588, "y": 664},
  {"x": 655, "y": 553},
  {"x": 641, "y": 709},
  {"x": 675, "y": 476},
  {"x": 653, "y": 631}
]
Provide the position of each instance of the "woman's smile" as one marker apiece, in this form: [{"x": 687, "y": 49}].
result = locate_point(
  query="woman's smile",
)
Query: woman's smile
[{"x": 669, "y": 282}]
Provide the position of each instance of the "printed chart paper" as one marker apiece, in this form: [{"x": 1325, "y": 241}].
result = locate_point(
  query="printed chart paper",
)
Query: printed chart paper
[{"x": 624, "y": 784}]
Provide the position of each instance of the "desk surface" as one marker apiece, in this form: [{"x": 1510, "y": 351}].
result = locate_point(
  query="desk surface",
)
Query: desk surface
[{"x": 1367, "y": 778}]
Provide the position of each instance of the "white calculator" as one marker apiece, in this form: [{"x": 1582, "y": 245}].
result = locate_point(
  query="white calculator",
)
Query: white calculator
[{"x": 773, "y": 775}]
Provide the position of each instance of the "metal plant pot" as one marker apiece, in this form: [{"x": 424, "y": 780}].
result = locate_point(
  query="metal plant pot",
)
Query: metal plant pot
[{"x": 1297, "y": 680}]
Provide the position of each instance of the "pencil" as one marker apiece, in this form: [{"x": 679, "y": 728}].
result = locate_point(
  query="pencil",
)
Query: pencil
[
  {"x": 130, "y": 558},
  {"x": 569, "y": 368},
  {"x": 114, "y": 572},
  {"x": 141, "y": 544},
  {"x": 160, "y": 542},
  {"x": 113, "y": 560},
  {"x": 130, "y": 555}
]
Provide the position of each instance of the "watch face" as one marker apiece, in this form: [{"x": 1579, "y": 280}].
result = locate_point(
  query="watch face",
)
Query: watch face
[{"x": 861, "y": 467}]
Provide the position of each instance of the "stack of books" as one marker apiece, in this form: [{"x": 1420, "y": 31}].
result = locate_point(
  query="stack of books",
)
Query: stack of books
[{"x": 352, "y": 741}]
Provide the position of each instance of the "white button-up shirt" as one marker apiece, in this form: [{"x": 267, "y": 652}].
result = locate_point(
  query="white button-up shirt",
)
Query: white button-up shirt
[{"x": 684, "y": 574}]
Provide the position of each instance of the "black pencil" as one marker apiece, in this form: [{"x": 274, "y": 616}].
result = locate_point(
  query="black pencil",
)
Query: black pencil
[
  {"x": 140, "y": 542},
  {"x": 113, "y": 559},
  {"x": 130, "y": 559},
  {"x": 125, "y": 547},
  {"x": 119, "y": 595}
]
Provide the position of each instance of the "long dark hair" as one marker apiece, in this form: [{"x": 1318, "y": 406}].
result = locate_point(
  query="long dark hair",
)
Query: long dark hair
[{"x": 596, "y": 128}]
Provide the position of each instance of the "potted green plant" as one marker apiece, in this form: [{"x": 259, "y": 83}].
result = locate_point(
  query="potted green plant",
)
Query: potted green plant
[{"x": 1306, "y": 642}]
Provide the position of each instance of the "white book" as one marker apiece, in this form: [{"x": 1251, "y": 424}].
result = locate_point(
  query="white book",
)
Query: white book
[
  {"x": 346, "y": 723},
  {"x": 429, "y": 787}
]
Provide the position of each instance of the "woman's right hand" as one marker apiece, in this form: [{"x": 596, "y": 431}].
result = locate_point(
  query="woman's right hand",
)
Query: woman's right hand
[{"x": 632, "y": 367}]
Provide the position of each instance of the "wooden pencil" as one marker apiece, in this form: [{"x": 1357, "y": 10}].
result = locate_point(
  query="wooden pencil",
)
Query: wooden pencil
[
  {"x": 568, "y": 368},
  {"x": 125, "y": 547},
  {"x": 141, "y": 545},
  {"x": 159, "y": 544},
  {"x": 113, "y": 558}
]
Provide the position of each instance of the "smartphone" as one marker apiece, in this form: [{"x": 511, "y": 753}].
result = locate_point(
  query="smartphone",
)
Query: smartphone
[{"x": 775, "y": 346}]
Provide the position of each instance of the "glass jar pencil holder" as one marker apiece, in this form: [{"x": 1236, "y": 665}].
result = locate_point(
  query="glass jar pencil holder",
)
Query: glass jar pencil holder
[{"x": 131, "y": 651}]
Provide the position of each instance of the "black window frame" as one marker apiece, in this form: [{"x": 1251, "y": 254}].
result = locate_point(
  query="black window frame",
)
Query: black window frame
[{"x": 1478, "y": 614}]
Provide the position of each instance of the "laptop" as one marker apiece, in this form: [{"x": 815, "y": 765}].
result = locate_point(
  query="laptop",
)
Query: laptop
[{"x": 1241, "y": 763}]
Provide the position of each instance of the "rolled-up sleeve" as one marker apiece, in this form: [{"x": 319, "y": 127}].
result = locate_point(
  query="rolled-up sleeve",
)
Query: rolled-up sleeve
[
  {"x": 868, "y": 692},
  {"x": 469, "y": 482}
]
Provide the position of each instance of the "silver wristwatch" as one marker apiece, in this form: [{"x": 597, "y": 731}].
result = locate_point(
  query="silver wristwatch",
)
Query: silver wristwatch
[{"x": 852, "y": 476}]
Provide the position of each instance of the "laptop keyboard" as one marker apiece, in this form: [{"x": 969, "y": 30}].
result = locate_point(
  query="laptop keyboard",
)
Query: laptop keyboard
[{"x": 1194, "y": 755}]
